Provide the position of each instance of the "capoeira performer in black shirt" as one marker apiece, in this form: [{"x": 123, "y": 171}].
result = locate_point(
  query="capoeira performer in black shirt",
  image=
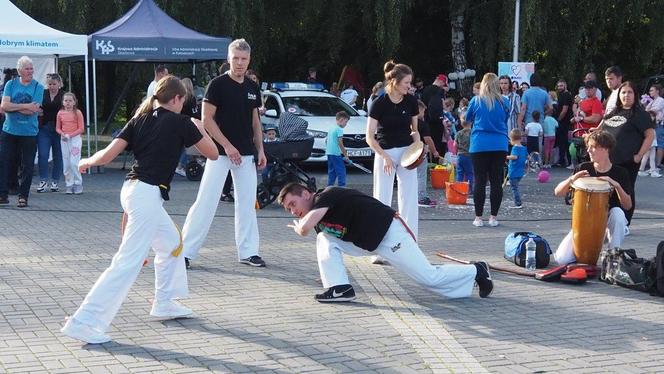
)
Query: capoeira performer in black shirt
[
  {"x": 156, "y": 137},
  {"x": 230, "y": 115},
  {"x": 350, "y": 222}
]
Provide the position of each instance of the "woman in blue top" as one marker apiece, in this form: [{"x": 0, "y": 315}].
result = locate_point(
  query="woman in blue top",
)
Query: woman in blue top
[{"x": 488, "y": 145}]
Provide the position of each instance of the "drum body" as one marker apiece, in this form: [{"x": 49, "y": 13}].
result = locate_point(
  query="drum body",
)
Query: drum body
[
  {"x": 590, "y": 212},
  {"x": 413, "y": 156}
]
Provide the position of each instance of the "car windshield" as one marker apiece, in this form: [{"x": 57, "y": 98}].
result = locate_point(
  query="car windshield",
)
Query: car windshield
[{"x": 317, "y": 106}]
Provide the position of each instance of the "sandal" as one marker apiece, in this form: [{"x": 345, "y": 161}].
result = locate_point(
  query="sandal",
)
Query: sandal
[{"x": 22, "y": 202}]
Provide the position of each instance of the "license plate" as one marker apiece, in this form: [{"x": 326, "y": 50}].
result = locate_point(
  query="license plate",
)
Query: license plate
[{"x": 360, "y": 153}]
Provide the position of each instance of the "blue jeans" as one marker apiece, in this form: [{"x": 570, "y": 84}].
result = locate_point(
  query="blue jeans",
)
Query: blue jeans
[
  {"x": 514, "y": 183},
  {"x": 9, "y": 145},
  {"x": 48, "y": 139},
  {"x": 464, "y": 170},
  {"x": 336, "y": 169}
]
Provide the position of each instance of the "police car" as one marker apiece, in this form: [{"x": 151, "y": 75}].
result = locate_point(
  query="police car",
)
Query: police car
[{"x": 318, "y": 107}]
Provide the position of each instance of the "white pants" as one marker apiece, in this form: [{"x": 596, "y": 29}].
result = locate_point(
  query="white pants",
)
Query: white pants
[
  {"x": 406, "y": 187},
  {"x": 403, "y": 253},
  {"x": 422, "y": 174},
  {"x": 200, "y": 215},
  {"x": 615, "y": 233},
  {"x": 148, "y": 225},
  {"x": 649, "y": 157},
  {"x": 71, "y": 155}
]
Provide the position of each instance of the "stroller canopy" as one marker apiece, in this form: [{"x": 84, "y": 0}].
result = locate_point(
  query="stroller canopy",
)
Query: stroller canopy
[{"x": 292, "y": 127}]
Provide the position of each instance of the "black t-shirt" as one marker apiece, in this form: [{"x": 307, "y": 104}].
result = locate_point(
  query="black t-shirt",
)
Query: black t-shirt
[
  {"x": 51, "y": 107},
  {"x": 191, "y": 108},
  {"x": 157, "y": 139},
  {"x": 433, "y": 97},
  {"x": 423, "y": 129},
  {"x": 617, "y": 173},
  {"x": 565, "y": 98},
  {"x": 353, "y": 216},
  {"x": 236, "y": 103},
  {"x": 394, "y": 120},
  {"x": 629, "y": 130}
]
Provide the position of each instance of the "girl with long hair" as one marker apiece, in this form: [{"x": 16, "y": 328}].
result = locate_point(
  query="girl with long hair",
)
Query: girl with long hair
[
  {"x": 69, "y": 125},
  {"x": 155, "y": 134}
]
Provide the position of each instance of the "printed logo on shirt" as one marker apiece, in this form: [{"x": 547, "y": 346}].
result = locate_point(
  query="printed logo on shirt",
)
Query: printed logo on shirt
[
  {"x": 396, "y": 247},
  {"x": 251, "y": 96},
  {"x": 615, "y": 121},
  {"x": 334, "y": 229}
]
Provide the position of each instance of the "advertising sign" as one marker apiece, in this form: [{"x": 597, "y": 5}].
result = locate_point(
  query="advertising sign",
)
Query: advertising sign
[{"x": 517, "y": 71}]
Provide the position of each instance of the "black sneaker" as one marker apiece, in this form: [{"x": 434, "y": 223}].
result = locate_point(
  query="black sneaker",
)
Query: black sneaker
[
  {"x": 483, "y": 278},
  {"x": 186, "y": 262},
  {"x": 344, "y": 292},
  {"x": 256, "y": 261},
  {"x": 227, "y": 198}
]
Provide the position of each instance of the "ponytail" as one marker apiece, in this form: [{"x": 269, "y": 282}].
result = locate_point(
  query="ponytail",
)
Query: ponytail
[{"x": 167, "y": 88}]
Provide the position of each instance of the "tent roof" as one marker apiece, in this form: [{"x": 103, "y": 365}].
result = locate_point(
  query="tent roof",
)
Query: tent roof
[
  {"x": 147, "y": 33},
  {"x": 22, "y": 35}
]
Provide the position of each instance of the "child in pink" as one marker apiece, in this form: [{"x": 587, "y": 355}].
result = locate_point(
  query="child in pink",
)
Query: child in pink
[{"x": 69, "y": 124}]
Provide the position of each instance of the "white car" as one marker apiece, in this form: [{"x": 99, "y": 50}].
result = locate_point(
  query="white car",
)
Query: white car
[{"x": 318, "y": 108}]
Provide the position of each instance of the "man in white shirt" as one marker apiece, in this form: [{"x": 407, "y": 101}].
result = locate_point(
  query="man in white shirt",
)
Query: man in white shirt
[
  {"x": 349, "y": 95},
  {"x": 159, "y": 72},
  {"x": 613, "y": 77},
  {"x": 590, "y": 76}
]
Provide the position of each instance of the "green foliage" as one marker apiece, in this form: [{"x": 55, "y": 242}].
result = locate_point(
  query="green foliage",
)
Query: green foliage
[{"x": 565, "y": 38}]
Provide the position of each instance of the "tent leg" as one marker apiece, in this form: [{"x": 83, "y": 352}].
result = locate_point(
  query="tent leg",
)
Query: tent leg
[
  {"x": 87, "y": 93},
  {"x": 94, "y": 95},
  {"x": 87, "y": 100}
]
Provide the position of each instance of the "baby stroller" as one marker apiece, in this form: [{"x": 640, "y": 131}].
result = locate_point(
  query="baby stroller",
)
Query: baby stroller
[{"x": 282, "y": 155}]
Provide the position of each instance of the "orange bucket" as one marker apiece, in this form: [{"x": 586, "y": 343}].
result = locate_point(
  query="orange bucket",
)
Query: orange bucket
[
  {"x": 456, "y": 192},
  {"x": 439, "y": 177}
]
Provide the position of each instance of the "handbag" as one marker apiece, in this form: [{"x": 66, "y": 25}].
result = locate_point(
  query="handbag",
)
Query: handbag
[{"x": 624, "y": 268}]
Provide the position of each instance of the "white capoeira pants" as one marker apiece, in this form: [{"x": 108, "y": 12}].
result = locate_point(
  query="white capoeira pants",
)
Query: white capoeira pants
[
  {"x": 403, "y": 253},
  {"x": 200, "y": 216},
  {"x": 615, "y": 234},
  {"x": 383, "y": 185},
  {"x": 148, "y": 225},
  {"x": 71, "y": 155}
]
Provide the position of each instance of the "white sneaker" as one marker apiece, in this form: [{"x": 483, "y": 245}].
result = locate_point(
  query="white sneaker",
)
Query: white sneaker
[
  {"x": 78, "y": 189},
  {"x": 170, "y": 310},
  {"x": 85, "y": 333},
  {"x": 655, "y": 174},
  {"x": 493, "y": 222},
  {"x": 42, "y": 186},
  {"x": 643, "y": 173},
  {"x": 478, "y": 222},
  {"x": 570, "y": 167},
  {"x": 180, "y": 171},
  {"x": 377, "y": 260}
]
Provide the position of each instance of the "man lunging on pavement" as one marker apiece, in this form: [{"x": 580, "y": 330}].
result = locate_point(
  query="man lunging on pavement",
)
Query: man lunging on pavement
[{"x": 352, "y": 223}]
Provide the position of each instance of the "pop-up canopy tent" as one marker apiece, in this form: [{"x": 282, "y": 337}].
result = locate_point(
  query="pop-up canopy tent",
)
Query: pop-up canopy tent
[
  {"x": 21, "y": 35},
  {"x": 146, "y": 33}
]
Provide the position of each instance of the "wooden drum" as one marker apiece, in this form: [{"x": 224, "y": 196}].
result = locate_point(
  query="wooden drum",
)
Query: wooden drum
[
  {"x": 413, "y": 156},
  {"x": 590, "y": 212}
]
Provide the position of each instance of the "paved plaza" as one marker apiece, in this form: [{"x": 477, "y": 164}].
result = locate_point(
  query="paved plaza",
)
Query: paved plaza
[{"x": 265, "y": 320}]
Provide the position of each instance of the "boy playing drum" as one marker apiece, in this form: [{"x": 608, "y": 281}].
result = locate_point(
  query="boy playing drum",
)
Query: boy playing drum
[{"x": 599, "y": 144}]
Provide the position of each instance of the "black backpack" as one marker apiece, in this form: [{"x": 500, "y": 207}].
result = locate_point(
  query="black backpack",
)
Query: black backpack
[
  {"x": 656, "y": 272},
  {"x": 623, "y": 268}
]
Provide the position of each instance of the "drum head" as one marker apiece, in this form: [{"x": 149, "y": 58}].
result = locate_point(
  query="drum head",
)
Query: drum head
[
  {"x": 413, "y": 155},
  {"x": 591, "y": 184}
]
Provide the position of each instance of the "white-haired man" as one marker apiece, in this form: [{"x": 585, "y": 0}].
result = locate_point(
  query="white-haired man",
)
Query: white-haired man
[{"x": 230, "y": 115}]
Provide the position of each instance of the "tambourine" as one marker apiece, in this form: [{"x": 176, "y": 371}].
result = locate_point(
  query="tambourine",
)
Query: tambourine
[{"x": 413, "y": 155}]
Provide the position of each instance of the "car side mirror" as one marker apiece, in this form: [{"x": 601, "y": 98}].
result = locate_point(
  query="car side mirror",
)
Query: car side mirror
[
  {"x": 271, "y": 113},
  {"x": 362, "y": 112}
]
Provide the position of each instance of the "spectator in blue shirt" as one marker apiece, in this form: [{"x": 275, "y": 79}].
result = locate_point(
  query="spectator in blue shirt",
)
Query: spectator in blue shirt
[
  {"x": 534, "y": 99},
  {"x": 488, "y": 111},
  {"x": 21, "y": 102}
]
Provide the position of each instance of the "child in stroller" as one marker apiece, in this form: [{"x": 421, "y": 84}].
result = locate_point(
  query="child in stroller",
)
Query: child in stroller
[{"x": 283, "y": 153}]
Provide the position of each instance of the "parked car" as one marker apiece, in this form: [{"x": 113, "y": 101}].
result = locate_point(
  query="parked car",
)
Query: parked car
[{"x": 318, "y": 107}]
